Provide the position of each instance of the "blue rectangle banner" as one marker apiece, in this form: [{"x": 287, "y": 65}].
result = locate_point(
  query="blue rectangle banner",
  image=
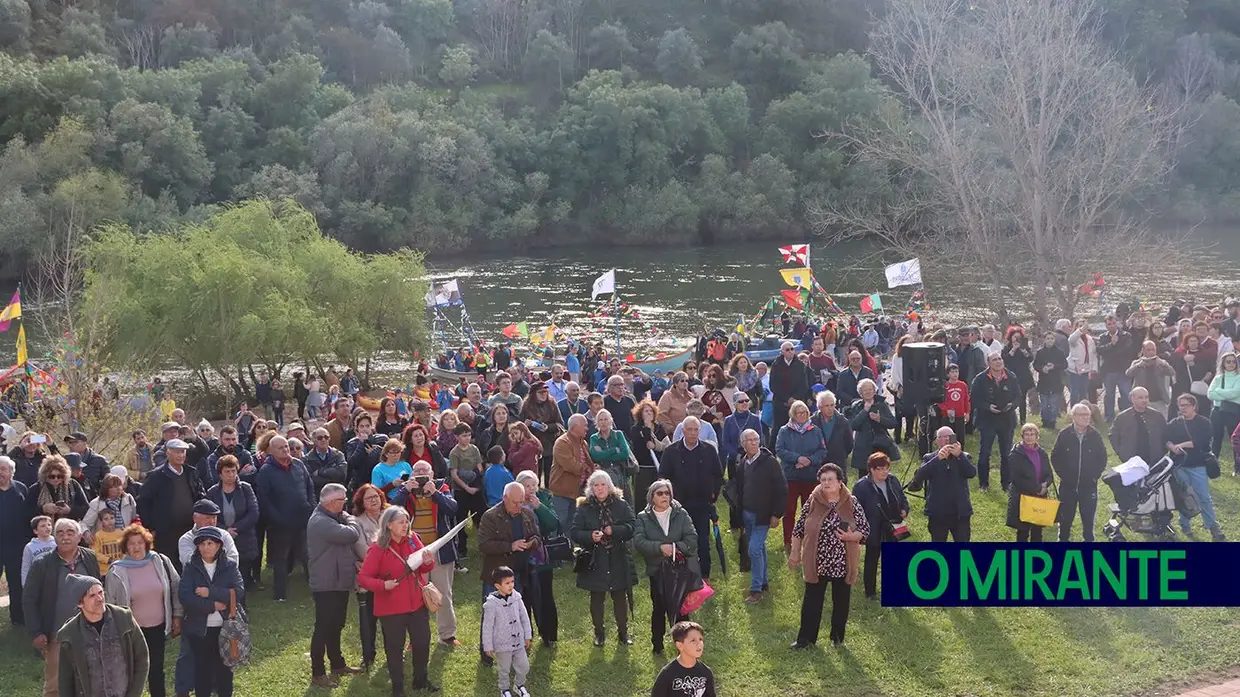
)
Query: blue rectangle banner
[{"x": 1064, "y": 574}]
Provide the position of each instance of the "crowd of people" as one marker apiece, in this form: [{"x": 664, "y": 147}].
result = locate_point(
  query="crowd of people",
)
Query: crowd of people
[{"x": 106, "y": 563}]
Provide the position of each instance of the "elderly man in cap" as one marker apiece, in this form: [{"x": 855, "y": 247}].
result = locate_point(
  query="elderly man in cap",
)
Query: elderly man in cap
[
  {"x": 102, "y": 650},
  {"x": 94, "y": 465},
  {"x": 45, "y": 609},
  {"x": 166, "y": 504},
  {"x": 286, "y": 496},
  {"x": 171, "y": 430},
  {"x": 206, "y": 515},
  {"x": 296, "y": 430}
]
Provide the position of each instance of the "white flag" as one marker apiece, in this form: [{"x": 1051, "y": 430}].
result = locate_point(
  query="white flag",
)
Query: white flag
[
  {"x": 906, "y": 273},
  {"x": 604, "y": 284}
]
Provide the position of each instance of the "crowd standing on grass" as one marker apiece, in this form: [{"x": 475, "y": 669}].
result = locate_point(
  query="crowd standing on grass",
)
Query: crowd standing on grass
[{"x": 106, "y": 563}]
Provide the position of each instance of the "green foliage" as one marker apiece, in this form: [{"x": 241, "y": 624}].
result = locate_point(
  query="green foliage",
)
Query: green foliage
[
  {"x": 449, "y": 125},
  {"x": 258, "y": 283}
]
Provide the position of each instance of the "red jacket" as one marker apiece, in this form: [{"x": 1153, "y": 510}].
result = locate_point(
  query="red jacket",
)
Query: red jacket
[
  {"x": 957, "y": 399},
  {"x": 383, "y": 564}
]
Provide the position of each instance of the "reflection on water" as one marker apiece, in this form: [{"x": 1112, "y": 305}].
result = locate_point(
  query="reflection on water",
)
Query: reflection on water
[{"x": 676, "y": 292}]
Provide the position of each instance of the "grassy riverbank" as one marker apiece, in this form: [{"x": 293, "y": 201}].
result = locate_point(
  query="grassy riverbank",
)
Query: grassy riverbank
[{"x": 890, "y": 651}]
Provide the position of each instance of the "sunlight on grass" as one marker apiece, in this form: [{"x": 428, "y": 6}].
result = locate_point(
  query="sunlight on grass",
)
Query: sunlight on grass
[{"x": 890, "y": 651}]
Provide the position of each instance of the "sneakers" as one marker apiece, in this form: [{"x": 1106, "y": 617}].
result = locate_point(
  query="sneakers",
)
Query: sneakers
[
  {"x": 347, "y": 670},
  {"x": 450, "y": 643},
  {"x": 505, "y": 693},
  {"x": 1216, "y": 533},
  {"x": 521, "y": 692},
  {"x": 753, "y": 598}
]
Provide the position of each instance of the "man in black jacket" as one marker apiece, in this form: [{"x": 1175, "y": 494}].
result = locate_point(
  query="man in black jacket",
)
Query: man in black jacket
[
  {"x": 995, "y": 396},
  {"x": 846, "y": 382},
  {"x": 1079, "y": 457},
  {"x": 790, "y": 381},
  {"x": 230, "y": 444},
  {"x": 325, "y": 463},
  {"x": 1115, "y": 354},
  {"x": 166, "y": 504},
  {"x": 94, "y": 465},
  {"x": 946, "y": 473},
  {"x": 763, "y": 492},
  {"x": 692, "y": 466}
]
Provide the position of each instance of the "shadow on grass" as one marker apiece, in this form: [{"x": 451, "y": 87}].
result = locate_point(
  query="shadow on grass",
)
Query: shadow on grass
[{"x": 994, "y": 657}]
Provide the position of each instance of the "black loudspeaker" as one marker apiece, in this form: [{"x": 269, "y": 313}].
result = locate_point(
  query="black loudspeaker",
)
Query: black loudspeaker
[{"x": 925, "y": 373}]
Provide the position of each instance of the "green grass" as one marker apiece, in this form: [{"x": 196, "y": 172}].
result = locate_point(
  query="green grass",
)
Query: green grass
[{"x": 890, "y": 651}]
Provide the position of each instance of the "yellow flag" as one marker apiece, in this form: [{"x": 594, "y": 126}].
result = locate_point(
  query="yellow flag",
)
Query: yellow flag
[
  {"x": 21, "y": 345},
  {"x": 549, "y": 334},
  {"x": 802, "y": 278}
]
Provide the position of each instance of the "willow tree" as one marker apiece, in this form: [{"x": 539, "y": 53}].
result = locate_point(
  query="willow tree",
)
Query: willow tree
[
  {"x": 1018, "y": 147},
  {"x": 256, "y": 284}
]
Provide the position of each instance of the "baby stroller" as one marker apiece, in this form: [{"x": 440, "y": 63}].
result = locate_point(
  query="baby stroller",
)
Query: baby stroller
[{"x": 1145, "y": 499}]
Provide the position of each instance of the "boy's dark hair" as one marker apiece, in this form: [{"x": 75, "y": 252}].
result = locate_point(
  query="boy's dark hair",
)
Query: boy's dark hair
[
  {"x": 107, "y": 512},
  {"x": 34, "y": 522},
  {"x": 462, "y": 429},
  {"x": 953, "y": 366},
  {"x": 495, "y": 455},
  {"x": 680, "y": 630},
  {"x": 501, "y": 573}
]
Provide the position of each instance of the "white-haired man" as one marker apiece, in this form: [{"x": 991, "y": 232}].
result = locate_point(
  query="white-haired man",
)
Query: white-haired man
[{"x": 336, "y": 550}]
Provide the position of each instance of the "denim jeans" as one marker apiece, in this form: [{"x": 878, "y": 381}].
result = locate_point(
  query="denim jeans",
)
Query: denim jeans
[
  {"x": 1197, "y": 479},
  {"x": 1049, "y": 406},
  {"x": 565, "y": 508},
  {"x": 1078, "y": 387},
  {"x": 757, "y": 549},
  {"x": 1110, "y": 383}
]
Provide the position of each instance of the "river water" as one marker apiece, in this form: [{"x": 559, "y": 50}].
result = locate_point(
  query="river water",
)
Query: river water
[{"x": 676, "y": 292}]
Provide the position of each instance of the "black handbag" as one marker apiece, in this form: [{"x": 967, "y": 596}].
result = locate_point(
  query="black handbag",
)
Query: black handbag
[
  {"x": 558, "y": 548},
  {"x": 583, "y": 560},
  {"x": 1229, "y": 408},
  {"x": 1213, "y": 469}
]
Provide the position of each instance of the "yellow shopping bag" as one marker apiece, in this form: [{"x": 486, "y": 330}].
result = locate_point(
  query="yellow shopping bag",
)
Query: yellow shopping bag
[{"x": 1036, "y": 510}]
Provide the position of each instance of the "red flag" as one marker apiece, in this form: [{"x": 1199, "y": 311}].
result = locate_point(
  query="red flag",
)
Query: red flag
[{"x": 792, "y": 297}]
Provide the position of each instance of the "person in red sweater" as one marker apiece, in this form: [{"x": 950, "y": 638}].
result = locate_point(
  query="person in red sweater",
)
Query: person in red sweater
[
  {"x": 393, "y": 572},
  {"x": 954, "y": 411}
]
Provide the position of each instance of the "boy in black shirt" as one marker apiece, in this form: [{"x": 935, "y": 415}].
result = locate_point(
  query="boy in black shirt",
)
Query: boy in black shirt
[{"x": 686, "y": 676}]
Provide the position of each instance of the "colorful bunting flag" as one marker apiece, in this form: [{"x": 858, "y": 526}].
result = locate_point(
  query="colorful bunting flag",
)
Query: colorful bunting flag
[
  {"x": 517, "y": 330},
  {"x": 798, "y": 253},
  {"x": 871, "y": 303},
  {"x": 12, "y": 311},
  {"x": 802, "y": 277}
]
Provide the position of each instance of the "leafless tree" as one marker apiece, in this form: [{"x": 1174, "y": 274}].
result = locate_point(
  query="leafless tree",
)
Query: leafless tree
[{"x": 1020, "y": 150}]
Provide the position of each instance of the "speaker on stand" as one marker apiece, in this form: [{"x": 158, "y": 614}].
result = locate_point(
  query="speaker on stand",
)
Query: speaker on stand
[{"x": 925, "y": 384}]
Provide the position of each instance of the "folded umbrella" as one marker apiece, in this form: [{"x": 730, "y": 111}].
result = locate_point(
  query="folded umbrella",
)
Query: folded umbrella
[
  {"x": 723, "y": 560},
  {"x": 674, "y": 580}
]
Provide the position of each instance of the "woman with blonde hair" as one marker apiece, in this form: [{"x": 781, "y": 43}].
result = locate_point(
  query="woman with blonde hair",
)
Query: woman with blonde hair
[{"x": 604, "y": 525}]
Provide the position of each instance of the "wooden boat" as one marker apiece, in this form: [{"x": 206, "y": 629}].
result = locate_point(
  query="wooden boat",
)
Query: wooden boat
[{"x": 668, "y": 363}]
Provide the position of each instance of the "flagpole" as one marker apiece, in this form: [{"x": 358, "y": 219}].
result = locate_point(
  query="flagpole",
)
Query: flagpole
[{"x": 615, "y": 311}]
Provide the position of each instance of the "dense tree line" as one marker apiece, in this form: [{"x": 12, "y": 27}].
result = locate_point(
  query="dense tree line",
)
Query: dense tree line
[{"x": 448, "y": 125}]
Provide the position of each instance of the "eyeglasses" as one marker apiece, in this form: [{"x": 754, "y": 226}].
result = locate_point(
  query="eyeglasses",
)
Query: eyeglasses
[
  {"x": 322, "y": 437},
  {"x": 787, "y": 350},
  {"x": 55, "y": 477},
  {"x": 372, "y": 497},
  {"x": 681, "y": 381},
  {"x": 663, "y": 492}
]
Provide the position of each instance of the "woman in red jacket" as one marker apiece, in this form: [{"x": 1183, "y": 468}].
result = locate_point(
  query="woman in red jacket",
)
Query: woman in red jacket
[{"x": 398, "y": 605}]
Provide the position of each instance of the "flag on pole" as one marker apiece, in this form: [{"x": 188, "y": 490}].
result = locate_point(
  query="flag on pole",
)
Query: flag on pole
[
  {"x": 11, "y": 311},
  {"x": 517, "y": 330},
  {"x": 871, "y": 303},
  {"x": 21, "y": 345},
  {"x": 798, "y": 253},
  {"x": 906, "y": 273},
  {"x": 604, "y": 285},
  {"x": 549, "y": 334},
  {"x": 740, "y": 325},
  {"x": 801, "y": 278},
  {"x": 792, "y": 298}
]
